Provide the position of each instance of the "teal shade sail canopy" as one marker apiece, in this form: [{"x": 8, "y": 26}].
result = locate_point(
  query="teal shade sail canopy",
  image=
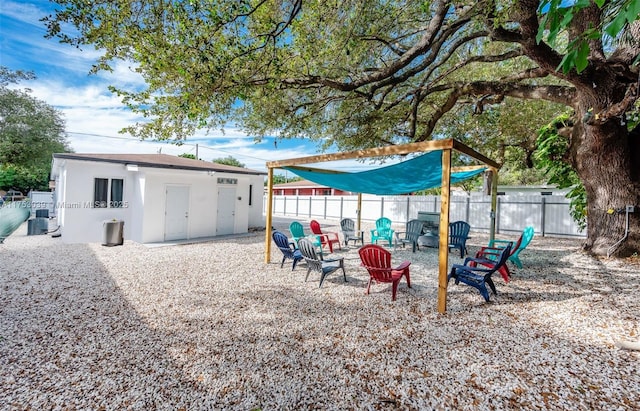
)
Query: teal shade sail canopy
[{"x": 418, "y": 173}]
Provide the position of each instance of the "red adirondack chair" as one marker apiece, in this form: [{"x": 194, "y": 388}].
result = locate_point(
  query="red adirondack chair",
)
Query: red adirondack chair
[
  {"x": 377, "y": 261},
  {"x": 328, "y": 238}
]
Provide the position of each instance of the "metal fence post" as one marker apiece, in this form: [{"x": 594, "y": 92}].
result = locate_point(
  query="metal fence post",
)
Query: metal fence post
[
  {"x": 325, "y": 207},
  {"x": 381, "y": 206},
  {"x": 498, "y": 215},
  {"x": 543, "y": 214},
  {"x": 468, "y": 211},
  {"x": 408, "y": 207},
  {"x": 341, "y": 207}
]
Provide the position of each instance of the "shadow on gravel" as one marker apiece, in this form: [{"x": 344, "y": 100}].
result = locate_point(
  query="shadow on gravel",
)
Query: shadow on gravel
[{"x": 69, "y": 339}]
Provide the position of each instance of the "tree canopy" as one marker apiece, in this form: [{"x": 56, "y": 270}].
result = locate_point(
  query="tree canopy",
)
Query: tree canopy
[
  {"x": 30, "y": 132},
  {"x": 355, "y": 74},
  {"x": 188, "y": 155},
  {"x": 229, "y": 160}
]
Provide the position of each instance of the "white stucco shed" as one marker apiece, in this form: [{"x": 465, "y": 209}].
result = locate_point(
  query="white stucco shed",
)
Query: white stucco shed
[{"x": 158, "y": 196}]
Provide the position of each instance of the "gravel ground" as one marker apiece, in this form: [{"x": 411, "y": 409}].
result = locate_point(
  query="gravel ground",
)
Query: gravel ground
[{"x": 210, "y": 326}]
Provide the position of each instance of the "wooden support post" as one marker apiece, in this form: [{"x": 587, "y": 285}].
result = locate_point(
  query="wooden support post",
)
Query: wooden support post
[
  {"x": 494, "y": 203},
  {"x": 359, "y": 212},
  {"x": 267, "y": 231},
  {"x": 443, "y": 250}
]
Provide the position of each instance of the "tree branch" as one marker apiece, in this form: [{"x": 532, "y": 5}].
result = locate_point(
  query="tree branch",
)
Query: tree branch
[
  {"x": 616, "y": 110},
  {"x": 527, "y": 74},
  {"x": 558, "y": 94}
]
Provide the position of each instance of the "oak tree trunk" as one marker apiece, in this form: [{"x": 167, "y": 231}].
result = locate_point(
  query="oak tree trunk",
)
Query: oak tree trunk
[{"x": 606, "y": 157}]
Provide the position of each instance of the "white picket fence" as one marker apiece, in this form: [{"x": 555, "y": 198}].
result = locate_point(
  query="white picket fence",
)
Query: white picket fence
[{"x": 548, "y": 214}]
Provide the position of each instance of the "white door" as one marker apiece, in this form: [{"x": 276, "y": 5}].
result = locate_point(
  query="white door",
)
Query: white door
[
  {"x": 176, "y": 214},
  {"x": 225, "y": 223}
]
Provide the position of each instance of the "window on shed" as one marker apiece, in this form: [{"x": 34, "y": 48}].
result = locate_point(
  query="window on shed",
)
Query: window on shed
[
  {"x": 100, "y": 188},
  {"x": 107, "y": 195},
  {"x": 116, "y": 192}
]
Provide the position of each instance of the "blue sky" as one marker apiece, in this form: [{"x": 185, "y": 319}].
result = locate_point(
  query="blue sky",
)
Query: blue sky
[{"x": 93, "y": 115}]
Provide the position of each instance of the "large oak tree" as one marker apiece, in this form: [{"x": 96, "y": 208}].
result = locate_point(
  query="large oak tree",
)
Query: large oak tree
[
  {"x": 30, "y": 132},
  {"x": 367, "y": 73}
]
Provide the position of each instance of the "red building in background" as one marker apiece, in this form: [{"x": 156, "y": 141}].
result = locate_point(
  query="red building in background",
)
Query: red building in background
[{"x": 307, "y": 188}]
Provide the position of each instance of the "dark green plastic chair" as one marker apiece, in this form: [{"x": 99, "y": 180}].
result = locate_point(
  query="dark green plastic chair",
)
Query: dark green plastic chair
[
  {"x": 316, "y": 263},
  {"x": 411, "y": 234},
  {"x": 458, "y": 235}
]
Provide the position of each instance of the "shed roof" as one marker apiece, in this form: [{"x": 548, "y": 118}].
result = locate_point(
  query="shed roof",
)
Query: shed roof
[{"x": 157, "y": 161}]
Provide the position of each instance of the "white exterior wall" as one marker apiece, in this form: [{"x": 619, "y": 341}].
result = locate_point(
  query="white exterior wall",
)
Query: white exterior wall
[
  {"x": 202, "y": 202},
  {"x": 80, "y": 223},
  {"x": 145, "y": 195},
  {"x": 255, "y": 211}
]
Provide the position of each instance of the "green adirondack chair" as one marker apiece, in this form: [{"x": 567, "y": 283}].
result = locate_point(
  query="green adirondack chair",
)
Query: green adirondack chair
[
  {"x": 297, "y": 232},
  {"x": 382, "y": 231}
]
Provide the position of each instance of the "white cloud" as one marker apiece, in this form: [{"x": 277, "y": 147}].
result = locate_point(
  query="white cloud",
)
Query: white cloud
[
  {"x": 93, "y": 115},
  {"x": 24, "y": 12}
]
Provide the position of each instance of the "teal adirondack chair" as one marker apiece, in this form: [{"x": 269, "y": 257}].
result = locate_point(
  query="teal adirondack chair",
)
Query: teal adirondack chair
[
  {"x": 297, "y": 232},
  {"x": 527, "y": 236},
  {"x": 382, "y": 231}
]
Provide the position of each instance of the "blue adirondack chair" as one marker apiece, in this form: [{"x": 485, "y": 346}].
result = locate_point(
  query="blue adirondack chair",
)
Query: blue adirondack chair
[
  {"x": 288, "y": 249},
  {"x": 527, "y": 236},
  {"x": 478, "y": 277},
  {"x": 382, "y": 231},
  {"x": 458, "y": 235}
]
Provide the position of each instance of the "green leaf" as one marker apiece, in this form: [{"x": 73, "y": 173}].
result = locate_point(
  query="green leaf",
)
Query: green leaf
[
  {"x": 553, "y": 33},
  {"x": 599, "y": 3},
  {"x": 568, "y": 62},
  {"x": 566, "y": 19},
  {"x": 581, "y": 59},
  {"x": 541, "y": 29},
  {"x": 616, "y": 25},
  {"x": 633, "y": 11}
]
